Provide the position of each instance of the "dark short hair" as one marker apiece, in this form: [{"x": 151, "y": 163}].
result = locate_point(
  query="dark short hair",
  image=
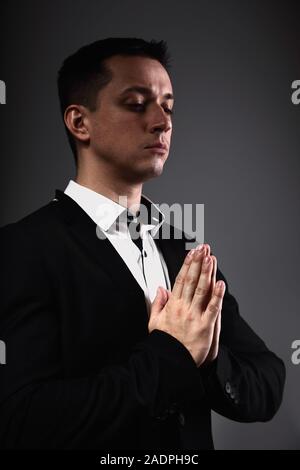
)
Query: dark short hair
[{"x": 83, "y": 74}]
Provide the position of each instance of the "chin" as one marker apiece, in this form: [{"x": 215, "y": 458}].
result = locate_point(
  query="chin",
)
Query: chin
[
  {"x": 146, "y": 171},
  {"x": 156, "y": 169}
]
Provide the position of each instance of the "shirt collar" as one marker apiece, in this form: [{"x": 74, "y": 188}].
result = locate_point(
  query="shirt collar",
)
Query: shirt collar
[{"x": 104, "y": 212}]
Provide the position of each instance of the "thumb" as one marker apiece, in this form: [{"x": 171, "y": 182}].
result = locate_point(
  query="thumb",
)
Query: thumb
[{"x": 160, "y": 300}]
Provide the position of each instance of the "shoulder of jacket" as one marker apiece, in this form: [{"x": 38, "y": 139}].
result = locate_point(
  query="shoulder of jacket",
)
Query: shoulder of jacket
[{"x": 30, "y": 226}]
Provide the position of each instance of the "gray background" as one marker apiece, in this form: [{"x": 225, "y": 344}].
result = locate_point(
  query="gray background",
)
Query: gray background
[{"x": 235, "y": 147}]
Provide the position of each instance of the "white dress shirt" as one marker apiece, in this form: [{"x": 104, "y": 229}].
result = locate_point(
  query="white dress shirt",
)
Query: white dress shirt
[{"x": 104, "y": 212}]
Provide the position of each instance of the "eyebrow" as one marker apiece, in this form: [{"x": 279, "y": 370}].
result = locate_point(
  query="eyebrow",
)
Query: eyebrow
[{"x": 145, "y": 91}]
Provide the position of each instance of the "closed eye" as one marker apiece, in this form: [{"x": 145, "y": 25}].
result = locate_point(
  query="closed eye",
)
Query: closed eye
[
  {"x": 169, "y": 111},
  {"x": 137, "y": 106},
  {"x": 140, "y": 107}
]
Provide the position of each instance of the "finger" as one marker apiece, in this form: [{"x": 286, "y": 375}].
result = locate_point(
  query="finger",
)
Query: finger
[
  {"x": 214, "y": 273},
  {"x": 212, "y": 282},
  {"x": 203, "y": 286},
  {"x": 164, "y": 296},
  {"x": 179, "y": 281},
  {"x": 207, "y": 248},
  {"x": 215, "y": 341},
  {"x": 215, "y": 304},
  {"x": 208, "y": 253},
  {"x": 192, "y": 276},
  {"x": 159, "y": 300},
  {"x": 217, "y": 332}
]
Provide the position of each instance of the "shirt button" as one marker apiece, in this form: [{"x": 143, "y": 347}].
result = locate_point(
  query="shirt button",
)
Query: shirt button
[
  {"x": 228, "y": 388},
  {"x": 162, "y": 417},
  {"x": 181, "y": 419},
  {"x": 173, "y": 409}
]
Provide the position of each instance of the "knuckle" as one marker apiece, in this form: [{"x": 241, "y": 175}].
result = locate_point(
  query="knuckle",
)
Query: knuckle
[
  {"x": 200, "y": 290},
  {"x": 178, "y": 310},
  {"x": 206, "y": 268},
  {"x": 191, "y": 280},
  {"x": 179, "y": 279},
  {"x": 213, "y": 308},
  {"x": 218, "y": 296},
  {"x": 189, "y": 317}
]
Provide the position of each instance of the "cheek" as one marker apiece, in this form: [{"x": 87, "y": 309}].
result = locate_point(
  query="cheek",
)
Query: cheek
[
  {"x": 114, "y": 130},
  {"x": 127, "y": 129},
  {"x": 104, "y": 133},
  {"x": 120, "y": 127}
]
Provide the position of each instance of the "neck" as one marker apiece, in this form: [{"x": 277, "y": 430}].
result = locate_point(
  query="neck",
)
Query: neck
[{"x": 102, "y": 181}]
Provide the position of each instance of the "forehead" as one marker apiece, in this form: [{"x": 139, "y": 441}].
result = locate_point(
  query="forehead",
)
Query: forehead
[{"x": 138, "y": 71}]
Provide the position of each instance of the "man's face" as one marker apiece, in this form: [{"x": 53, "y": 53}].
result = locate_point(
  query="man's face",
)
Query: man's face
[{"x": 133, "y": 113}]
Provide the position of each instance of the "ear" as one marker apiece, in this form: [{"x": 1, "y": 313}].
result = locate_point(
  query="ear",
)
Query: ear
[{"x": 76, "y": 120}]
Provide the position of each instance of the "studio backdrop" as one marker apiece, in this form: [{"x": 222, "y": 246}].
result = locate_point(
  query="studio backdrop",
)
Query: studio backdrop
[{"x": 235, "y": 147}]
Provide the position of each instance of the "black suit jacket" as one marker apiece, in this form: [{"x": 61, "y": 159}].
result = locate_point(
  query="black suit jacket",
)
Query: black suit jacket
[{"x": 82, "y": 370}]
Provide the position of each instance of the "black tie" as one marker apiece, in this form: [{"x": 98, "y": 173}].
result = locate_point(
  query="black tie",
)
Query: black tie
[{"x": 134, "y": 227}]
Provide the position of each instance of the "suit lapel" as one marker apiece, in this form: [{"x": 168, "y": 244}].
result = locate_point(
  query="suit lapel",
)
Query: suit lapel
[
  {"x": 173, "y": 253},
  {"x": 84, "y": 230}
]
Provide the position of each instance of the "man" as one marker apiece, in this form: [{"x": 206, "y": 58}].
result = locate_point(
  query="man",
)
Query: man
[{"x": 95, "y": 357}]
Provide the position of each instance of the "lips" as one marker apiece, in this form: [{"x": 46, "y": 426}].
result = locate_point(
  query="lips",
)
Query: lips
[{"x": 157, "y": 145}]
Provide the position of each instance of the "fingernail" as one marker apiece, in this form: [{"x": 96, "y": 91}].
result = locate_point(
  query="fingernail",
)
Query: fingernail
[
  {"x": 220, "y": 285},
  {"x": 191, "y": 252},
  {"x": 207, "y": 260},
  {"x": 200, "y": 247}
]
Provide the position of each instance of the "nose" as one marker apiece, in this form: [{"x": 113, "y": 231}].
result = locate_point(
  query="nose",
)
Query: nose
[{"x": 159, "y": 120}]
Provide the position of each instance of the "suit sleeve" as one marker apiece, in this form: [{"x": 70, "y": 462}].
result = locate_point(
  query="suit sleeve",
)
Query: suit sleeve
[
  {"x": 245, "y": 383},
  {"x": 39, "y": 406}
]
